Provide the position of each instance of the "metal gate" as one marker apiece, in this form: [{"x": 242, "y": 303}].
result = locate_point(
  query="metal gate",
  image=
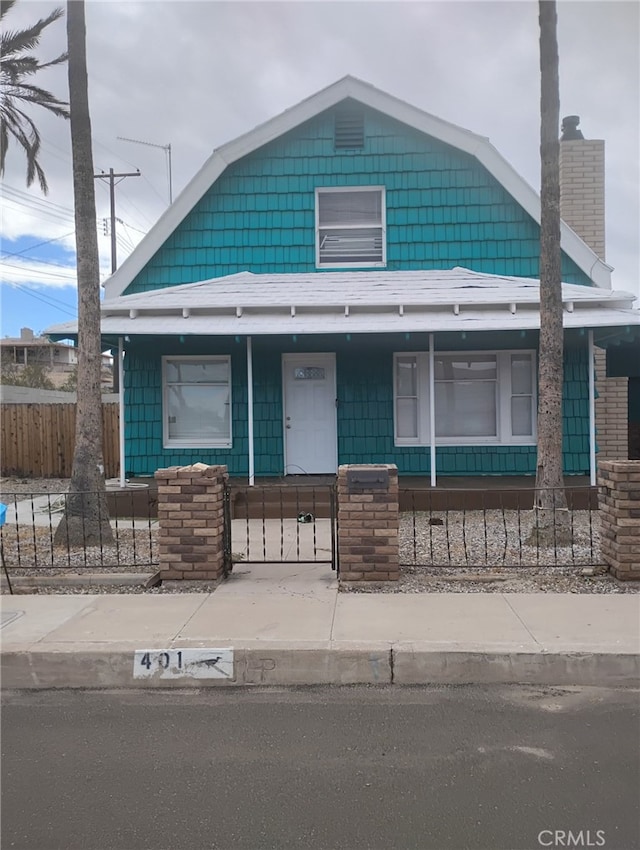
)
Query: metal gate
[{"x": 279, "y": 524}]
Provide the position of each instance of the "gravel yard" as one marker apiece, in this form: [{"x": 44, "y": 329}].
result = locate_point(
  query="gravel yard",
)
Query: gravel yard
[{"x": 475, "y": 552}]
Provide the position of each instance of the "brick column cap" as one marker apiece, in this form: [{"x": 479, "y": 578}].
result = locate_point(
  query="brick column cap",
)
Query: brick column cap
[
  {"x": 619, "y": 465},
  {"x": 389, "y": 466}
]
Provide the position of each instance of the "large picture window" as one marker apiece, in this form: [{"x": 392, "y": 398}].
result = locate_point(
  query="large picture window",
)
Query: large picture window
[
  {"x": 480, "y": 398},
  {"x": 350, "y": 227},
  {"x": 197, "y": 402}
]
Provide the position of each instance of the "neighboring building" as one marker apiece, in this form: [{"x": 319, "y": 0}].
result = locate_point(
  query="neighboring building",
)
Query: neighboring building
[
  {"x": 353, "y": 281},
  {"x": 58, "y": 361}
]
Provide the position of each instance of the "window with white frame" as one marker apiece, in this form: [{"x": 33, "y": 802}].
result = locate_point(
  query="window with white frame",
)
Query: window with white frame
[
  {"x": 197, "y": 401},
  {"x": 481, "y": 398},
  {"x": 350, "y": 227}
]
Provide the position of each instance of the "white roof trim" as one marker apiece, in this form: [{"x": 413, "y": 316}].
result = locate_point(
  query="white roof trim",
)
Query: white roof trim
[
  {"x": 457, "y": 137},
  {"x": 420, "y": 321},
  {"x": 355, "y": 302}
]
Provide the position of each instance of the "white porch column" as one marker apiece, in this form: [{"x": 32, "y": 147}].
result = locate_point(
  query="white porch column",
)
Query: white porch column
[
  {"x": 432, "y": 412},
  {"x": 250, "y": 411},
  {"x": 120, "y": 367},
  {"x": 592, "y": 411}
]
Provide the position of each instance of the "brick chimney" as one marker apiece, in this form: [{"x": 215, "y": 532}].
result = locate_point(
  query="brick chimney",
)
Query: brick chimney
[
  {"x": 582, "y": 208},
  {"x": 582, "y": 184}
]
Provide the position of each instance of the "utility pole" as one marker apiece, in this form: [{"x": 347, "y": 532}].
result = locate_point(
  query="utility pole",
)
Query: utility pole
[
  {"x": 111, "y": 177},
  {"x": 165, "y": 148}
]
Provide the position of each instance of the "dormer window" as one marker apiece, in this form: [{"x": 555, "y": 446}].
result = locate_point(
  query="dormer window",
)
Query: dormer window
[{"x": 350, "y": 227}]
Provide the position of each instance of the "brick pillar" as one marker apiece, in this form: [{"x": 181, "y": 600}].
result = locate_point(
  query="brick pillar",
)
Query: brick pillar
[
  {"x": 368, "y": 521},
  {"x": 619, "y": 503},
  {"x": 191, "y": 518}
]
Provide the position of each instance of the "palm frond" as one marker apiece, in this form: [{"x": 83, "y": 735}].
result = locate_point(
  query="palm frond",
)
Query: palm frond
[
  {"x": 14, "y": 124},
  {"x": 17, "y": 64},
  {"x": 40, "y": 97},
  {"x": 5, "y": 5},
  {"x": 17, "y": 41}
]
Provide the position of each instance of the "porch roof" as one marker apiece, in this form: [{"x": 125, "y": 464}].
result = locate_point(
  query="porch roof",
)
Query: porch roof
[{"x": 355, "y": 302}]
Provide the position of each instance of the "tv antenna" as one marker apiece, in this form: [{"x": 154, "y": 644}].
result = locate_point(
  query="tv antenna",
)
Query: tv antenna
[{"x": 165, "y": 148}]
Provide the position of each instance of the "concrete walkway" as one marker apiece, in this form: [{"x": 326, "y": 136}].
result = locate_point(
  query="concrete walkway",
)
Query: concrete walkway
[{"x": 287, "y": 624}]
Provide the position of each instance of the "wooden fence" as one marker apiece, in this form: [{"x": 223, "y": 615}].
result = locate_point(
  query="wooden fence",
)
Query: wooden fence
[{"x": 37, "y": 439}]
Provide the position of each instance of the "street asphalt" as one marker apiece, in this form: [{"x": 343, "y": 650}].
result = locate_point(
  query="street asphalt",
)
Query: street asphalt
[{"x": 436, "y": 768}]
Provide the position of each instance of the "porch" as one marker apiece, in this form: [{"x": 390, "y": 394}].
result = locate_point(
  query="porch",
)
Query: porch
[{"x": 289, "y": 495}]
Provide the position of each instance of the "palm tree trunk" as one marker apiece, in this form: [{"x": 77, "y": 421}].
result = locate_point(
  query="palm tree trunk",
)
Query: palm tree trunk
[
  {"x": 86, "y": 518},
  {"x": 551, "y": 517}
]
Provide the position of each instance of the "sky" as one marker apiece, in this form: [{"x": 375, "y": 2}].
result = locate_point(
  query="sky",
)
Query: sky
[{"x": 195, "y": 75}]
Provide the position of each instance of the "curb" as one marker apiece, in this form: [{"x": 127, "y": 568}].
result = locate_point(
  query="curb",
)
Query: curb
[
  {"x": 320, "y": 664},
  {"x": 86, "y": 580}
]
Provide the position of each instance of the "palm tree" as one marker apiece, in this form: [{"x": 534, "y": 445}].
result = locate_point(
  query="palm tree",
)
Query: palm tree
[
  {"x": 551, "y": 526},
  {"x": 17, "y": 68},
  {"x": 86, "y": 518}
]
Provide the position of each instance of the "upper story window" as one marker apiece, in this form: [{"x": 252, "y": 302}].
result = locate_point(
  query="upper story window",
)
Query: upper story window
[{"x": 350, "y": 227}]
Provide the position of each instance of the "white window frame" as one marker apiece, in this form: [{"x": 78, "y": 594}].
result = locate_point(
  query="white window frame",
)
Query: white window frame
[
  {"x": 504, "y": 436},
  {"x": 173, "y": 443},
  {"x": 383, "y": 227}
]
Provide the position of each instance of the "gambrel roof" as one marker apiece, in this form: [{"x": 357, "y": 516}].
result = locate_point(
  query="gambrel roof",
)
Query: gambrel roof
[
  {"x": 349, "y": 87},
  {"x": 355, "y": 302}
]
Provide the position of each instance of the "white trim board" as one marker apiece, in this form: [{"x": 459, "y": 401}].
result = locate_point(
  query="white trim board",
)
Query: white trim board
[
  {"x": 349, "y": 87},
  {"x": 355, "y": 302}
]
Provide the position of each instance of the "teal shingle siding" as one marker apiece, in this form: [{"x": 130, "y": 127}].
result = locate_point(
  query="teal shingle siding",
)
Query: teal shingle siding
[
  {"x": 443, "y": 209},
  {"x": 365, "y": 407},
  {"x": 143, "y": 407}
]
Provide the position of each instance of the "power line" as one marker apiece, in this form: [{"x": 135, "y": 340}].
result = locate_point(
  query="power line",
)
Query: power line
[
  {"x": 40, "y": 261},
  {"x": 31, "y": 271},
  {"x": 44, "y": 299},
  {"x": 123, "y": 242},
  {"x": 27, "y": 289},
  {"x": 39, "y": 212},
  {"x": 131, "y": 227},
  {"x": 37, "y": 245},
  {"x": 111, "y": 177},
  {"x": 129, "y": 202},
  {"x": 29, "y": 197},
  {"x": 45, "y": 263},
  {"x": 113, "y": 153}
]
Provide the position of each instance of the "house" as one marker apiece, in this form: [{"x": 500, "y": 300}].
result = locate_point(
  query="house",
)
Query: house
[
  {"x": 57, "y": 361},
  {"x": 353, "y": 281}
]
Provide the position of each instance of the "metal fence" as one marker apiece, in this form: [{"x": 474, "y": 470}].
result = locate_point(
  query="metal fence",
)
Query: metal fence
[
  {"x": 28, "y": 538},
  {"x": 439, "y": 528},
  {"x": 493, "y": 528}
]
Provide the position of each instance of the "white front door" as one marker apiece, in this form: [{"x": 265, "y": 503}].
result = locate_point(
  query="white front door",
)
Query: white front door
[{"x": 310, "y": 431}]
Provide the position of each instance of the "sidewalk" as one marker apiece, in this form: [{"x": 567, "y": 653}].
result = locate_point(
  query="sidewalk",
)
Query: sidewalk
[{"x": 286, "y": 624}]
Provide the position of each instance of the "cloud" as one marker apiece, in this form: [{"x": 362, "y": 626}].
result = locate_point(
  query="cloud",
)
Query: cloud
[{"x": 36, "y": 273}]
